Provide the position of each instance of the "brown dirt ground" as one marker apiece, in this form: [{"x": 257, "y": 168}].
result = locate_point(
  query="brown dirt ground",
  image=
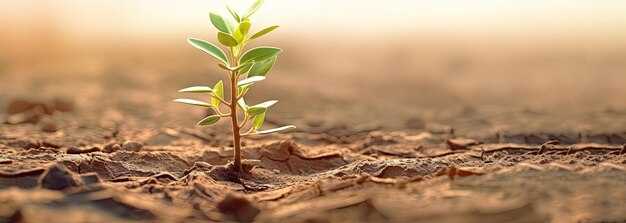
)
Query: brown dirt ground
[
  {"x": 63, "y": 169},
  {"x": 112, "y": 147}
]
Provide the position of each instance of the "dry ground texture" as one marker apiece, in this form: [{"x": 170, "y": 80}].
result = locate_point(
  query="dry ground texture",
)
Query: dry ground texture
[{"x": 111, "y": 160}]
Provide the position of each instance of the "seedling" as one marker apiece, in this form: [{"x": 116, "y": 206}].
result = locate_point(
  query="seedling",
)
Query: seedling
[{"x": 244, "y": 70}]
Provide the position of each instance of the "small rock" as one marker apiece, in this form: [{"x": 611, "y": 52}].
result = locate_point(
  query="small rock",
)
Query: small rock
[
  {"x": 111, "y": 147},
  {"x": 19, "y": 106},
  {"x": 58, "y": 177},
  {"x": 132, "y": 146},
  {"x": 237, "y": 208},
  {"x": 50, "y": 144},
  {"x": 172, "y": 132},
  {"x": 76, "y": 150},
  {"x": 276, "y": 171},
  {"x": 49, "y": 127},
  {"x": 23, "y": 118},
  {"x": 90, "y": 178},
  {"x": 24, "y": 144},
  {"x": 461, "y": 143}
]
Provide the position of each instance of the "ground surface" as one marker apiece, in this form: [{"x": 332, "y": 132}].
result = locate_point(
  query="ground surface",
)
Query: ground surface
[
  {"x": 107, "y": 144},
  {"x": 61, "y": 168}
]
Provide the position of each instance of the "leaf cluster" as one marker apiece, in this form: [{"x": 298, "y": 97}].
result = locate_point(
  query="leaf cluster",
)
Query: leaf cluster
[{"x": 244, "y": 69}]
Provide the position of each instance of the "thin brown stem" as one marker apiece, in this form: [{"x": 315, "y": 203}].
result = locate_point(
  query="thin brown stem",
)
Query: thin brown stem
[{"x": 233, "y": 115}]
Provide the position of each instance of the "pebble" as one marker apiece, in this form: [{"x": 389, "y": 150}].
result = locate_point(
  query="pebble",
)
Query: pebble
[
  {"x": 111, "y": 147},
  {"x": 58, "y": 177},
  {"x": 90, "y": 178},
  {"x": 76, "y": 150},
  {"x": 23, "y": 118},
  {"x": 461, "y": 143},
  {"x": 51, "y": 144},
  {"x": 132, "y": 146},
  {"x": 276, "y": 171},
  {"x": 237, "y": 208},
  {"x": 19, "y": 106},
  {"x": 49, "y": 127}
]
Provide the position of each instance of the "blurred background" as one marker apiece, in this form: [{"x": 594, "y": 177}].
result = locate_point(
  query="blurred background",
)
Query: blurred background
[{"x": 477, "y": 67}]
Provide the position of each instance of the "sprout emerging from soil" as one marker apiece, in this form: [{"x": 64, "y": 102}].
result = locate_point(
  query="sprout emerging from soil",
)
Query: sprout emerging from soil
[{"x": 244, "y": 70}]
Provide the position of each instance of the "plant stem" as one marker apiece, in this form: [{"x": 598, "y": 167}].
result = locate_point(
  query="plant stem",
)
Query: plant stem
[{"x": 233, "y": 116}]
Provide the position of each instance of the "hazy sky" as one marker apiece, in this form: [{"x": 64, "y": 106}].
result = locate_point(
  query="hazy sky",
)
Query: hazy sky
[{"x": 602, "y": 19}]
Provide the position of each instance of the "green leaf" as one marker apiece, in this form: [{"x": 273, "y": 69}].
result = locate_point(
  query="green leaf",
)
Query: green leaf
[
  {"x": 220, "y": 23},
  {"x": 193, "y": 102},
  {"x": 209, "y": 48},
  {"x": 244, "y": 27},
  {"x": 255, "y": 6},
  {"x": 233, "y": 13},
  {"x": 260, "y": 108},
  {"x": 225, "y": 67},
  {"x": 263, "y": 32},
  {"x": 242, "y": 31},
  {"x": 257, "y": 122},
  {"x": 252, "y": 111},
  {"x": 244, "y": 89},
  {"x": 276, "y": 129},
  {"x": 245, "y": 67},
  {"x": 250, "y": 80},
  {"x": 196, "y": 89},
  {"x": 242, "y": 104},
  {"x": 261, "y": 68},
  {"x": 209, "y": 120},
  {"x": 218, "y": 90},
  {"x": 259, "y": 53},
  {"x": 266, "y": 104},
  {"x": 226, "y": 39}
]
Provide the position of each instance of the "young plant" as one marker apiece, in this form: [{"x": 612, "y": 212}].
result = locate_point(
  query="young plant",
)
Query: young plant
[{"x": 244, "y": 70}]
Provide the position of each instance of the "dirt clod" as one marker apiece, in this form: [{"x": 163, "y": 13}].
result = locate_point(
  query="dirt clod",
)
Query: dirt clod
[
  {"x": 90, "y": 179},
  {"x": 19, "y": 106},
  {"x": 111, "y": 147},
  {"x": 77, "y": 150},
  {"x": 58, "y": 177},
  {"x": 132, "y": 146},
  {"x": 49, "y": 127},
  {"x": 29, "y": 117},
  {"x": 461, "y": 143},
  {"x": 237, "y": 208}
]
